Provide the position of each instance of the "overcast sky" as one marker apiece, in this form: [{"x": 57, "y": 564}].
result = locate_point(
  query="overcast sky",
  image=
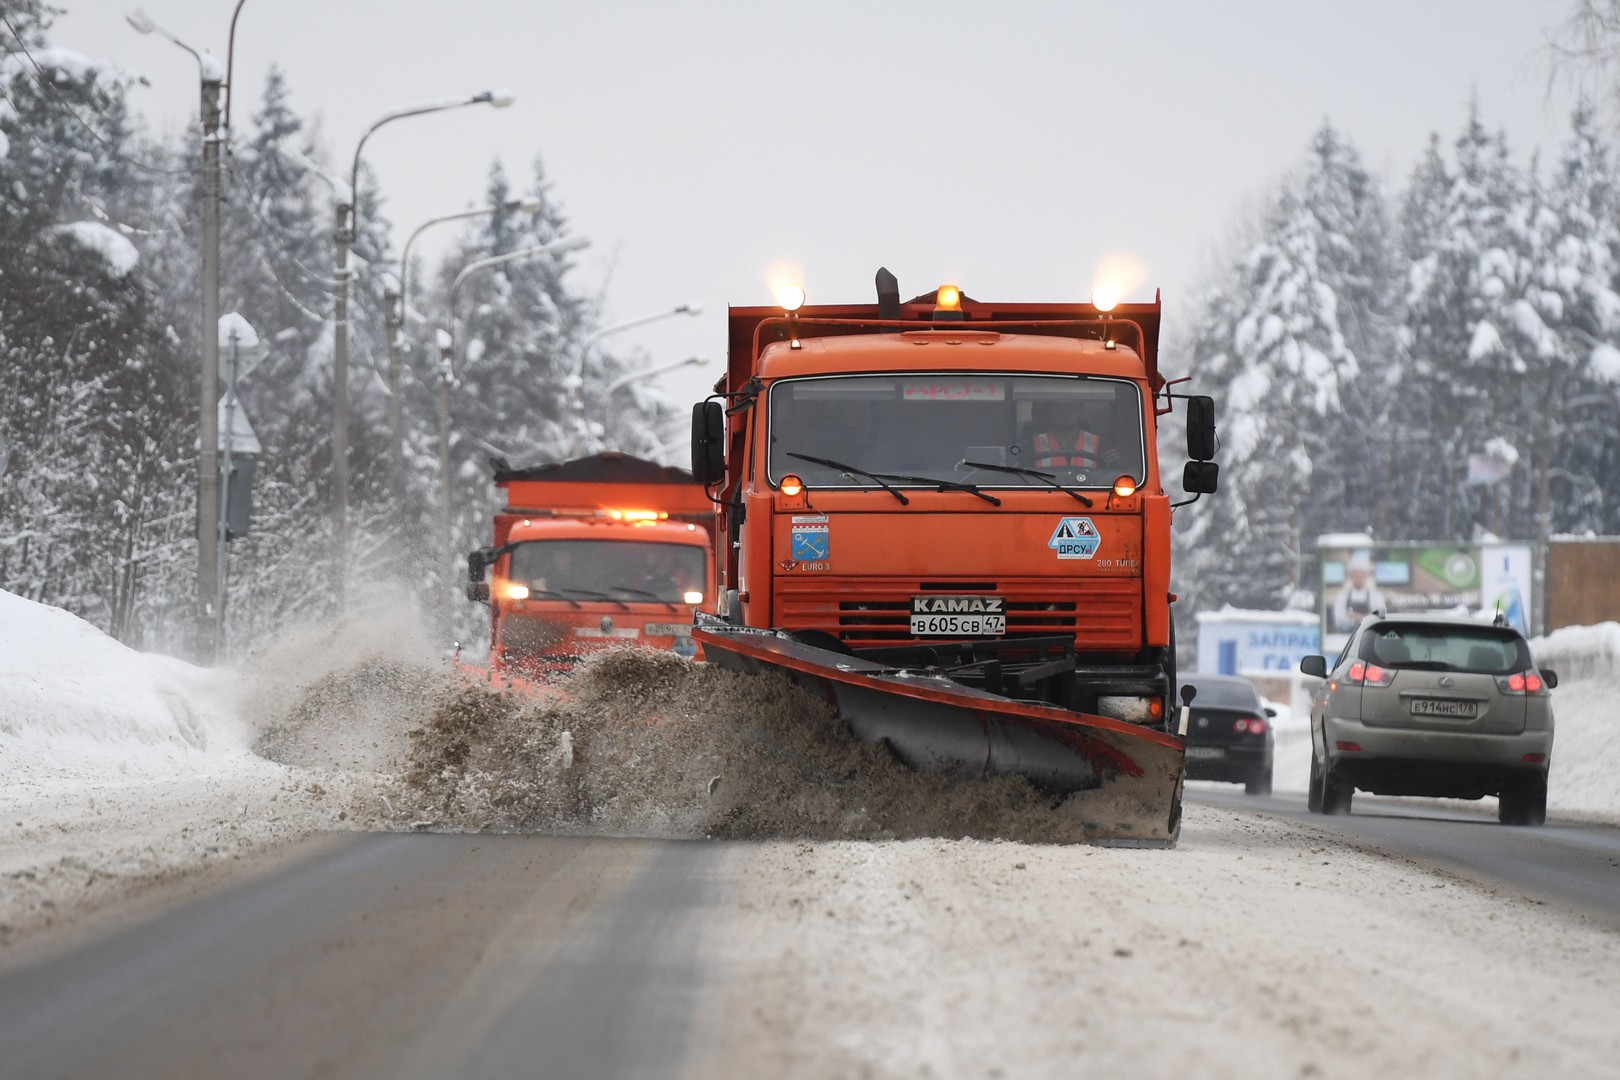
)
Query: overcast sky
[{"x": 1007, "y": 147}]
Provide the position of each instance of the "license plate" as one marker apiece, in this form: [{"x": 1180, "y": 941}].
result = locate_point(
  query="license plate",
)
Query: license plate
[
  {"x": 958, "y": 616},
  {"x": 1206, "y": 751},
  {"x": 1462, "y": 710}
]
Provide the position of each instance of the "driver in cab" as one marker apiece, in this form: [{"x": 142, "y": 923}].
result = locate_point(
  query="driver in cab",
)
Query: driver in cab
[{"x": 1063, "y": 440}]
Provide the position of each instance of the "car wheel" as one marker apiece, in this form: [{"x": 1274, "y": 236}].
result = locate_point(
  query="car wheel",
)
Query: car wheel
[
  {"x": 1336, "y": 796},
  {"x": 1526, "y": 805},
  {"x": 1313, "y": 799},
  {"x": 1259, "y": 782}
]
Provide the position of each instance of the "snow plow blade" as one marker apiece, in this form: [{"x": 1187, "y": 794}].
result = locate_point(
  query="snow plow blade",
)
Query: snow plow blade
[{"x": 1127, "y": 778}]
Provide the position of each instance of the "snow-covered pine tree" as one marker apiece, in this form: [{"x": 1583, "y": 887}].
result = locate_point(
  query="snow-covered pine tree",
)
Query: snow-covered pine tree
[
  {"x": 89, "y": 397},
  {"x": 1575, "y": 445},
  {"x": 1271, "y": 348}
]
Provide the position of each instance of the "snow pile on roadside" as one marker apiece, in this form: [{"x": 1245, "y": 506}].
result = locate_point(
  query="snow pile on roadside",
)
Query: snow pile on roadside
[
  {"x": 75, "y": 704},
  {"x": 123, "y": 774}
]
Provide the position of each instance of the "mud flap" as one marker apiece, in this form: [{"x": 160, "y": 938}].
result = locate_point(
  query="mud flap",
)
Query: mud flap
[{"x": 1122, "y": 780}]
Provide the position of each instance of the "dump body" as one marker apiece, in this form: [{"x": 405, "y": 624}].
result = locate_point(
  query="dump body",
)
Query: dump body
[
  {"x": 587, "y": 554},
  {"x": 897, "y": 489}
]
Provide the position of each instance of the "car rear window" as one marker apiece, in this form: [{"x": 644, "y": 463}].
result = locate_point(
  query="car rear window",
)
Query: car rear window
[
  {"x": 1487, "y": 649},
  {"x": 1225, "y": 695}
]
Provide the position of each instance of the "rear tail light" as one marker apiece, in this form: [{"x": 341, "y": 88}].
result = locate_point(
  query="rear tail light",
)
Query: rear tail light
[
  {"x": 1522, "y": 682},
  {"x": 1249, "y": 725},
  {"x": 1348, "y": 747},
  {"x": 1370, "y": 674}
]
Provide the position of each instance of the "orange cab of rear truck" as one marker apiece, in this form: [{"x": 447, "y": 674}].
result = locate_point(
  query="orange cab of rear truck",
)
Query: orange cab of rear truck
[
  {"x": 948, "y": 518},
  {"x": 600, "y": 551}
]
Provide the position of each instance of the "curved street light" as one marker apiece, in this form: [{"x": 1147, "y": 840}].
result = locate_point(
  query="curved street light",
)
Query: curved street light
[
  {"x": 576, "y": 379},
  {"x": 397, "y": 299},
  {"x": 633, "y": 376},
  {"x": 346, "y": 212},
  {"x": 447, "y": 379}
]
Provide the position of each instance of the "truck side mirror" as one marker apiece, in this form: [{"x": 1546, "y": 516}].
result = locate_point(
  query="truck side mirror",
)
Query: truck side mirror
[
  {"x": 1201, "y": 428},
  {"x": 477, "y": 562},
  {"x": 1314, "y": 665},
  {"x": 1200, "y": 477},
  {"x": 708, "y": 442}
]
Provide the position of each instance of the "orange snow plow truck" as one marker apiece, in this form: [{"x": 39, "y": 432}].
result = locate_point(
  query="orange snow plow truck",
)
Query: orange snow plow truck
[
  {"x": 604, "y": 550},
  {"x": 947, "y": 518}
]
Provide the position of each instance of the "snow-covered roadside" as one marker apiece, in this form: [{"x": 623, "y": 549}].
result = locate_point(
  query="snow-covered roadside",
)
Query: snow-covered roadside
[
  {"x": 1256, "y": 948},
  {"x": 127, "y": 778}
]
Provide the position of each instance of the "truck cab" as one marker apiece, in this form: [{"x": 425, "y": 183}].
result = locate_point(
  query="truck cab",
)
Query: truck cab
[
  {"x": 963, "y": 486},
  {"x": 587, "y": 554}
]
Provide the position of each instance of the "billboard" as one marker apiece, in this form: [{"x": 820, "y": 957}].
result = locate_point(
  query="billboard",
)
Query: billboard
[
  {"x": 1358, "y": 578},
  {"x": 1238, "y": 642}
]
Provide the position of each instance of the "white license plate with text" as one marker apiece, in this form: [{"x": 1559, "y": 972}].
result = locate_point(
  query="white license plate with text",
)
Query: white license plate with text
[{"x": 958, "y": 616}]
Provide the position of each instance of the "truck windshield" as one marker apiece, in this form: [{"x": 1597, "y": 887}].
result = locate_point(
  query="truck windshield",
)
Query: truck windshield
[
  {"x": 628, "y": 571},
  {"x": 1087, "y": 432}
]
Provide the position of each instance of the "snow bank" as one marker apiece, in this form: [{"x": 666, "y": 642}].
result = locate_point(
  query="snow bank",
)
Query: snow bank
[
  {"x": 1580, "y": 652},
  {"x": 76, "y": 704}
]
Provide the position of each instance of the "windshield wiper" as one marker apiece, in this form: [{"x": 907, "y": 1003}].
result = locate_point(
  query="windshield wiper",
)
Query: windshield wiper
[
  {"x": 853, "y": 471},
  {"x": 1050, "y": 480},
  {"x": 643, "y": 592},
  {"x": 592, "y": 595},
  {"x": 945, "y": 485},
  {"x": 544, "y": 594}
]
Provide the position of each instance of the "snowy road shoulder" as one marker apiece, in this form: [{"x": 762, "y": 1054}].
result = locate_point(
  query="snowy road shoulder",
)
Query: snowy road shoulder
[{"x": 1256, "y": 948}]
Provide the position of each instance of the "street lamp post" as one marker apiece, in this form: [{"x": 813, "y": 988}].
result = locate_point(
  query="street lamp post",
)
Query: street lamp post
[
  {"x": 576, "y": 380},
  {"x": 346, "y": 213},
  {"x": 634, "y": 376},
  {"x": 447, "y": 379},
  {"x": 208, "y": 548},
  {"x": 397, "y": 301}
]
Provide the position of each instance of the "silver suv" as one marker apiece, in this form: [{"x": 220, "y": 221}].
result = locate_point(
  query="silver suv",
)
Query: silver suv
[{"x": 1432, "y": 705}]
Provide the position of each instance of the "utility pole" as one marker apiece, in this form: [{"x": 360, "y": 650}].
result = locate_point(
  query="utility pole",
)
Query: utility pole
[
  {"x": 208, "y": 397},
  {"x": 341, "y": 235}
]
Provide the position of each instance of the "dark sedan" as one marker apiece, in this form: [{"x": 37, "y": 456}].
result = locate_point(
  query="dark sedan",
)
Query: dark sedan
[{"x": 1229, "y": 733}]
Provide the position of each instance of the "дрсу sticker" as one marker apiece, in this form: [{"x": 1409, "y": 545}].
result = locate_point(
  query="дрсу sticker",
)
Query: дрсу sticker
[{"x": 1075, "y": 538}]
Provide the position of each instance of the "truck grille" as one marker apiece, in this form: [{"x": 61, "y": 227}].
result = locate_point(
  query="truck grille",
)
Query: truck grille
[{"x": 1102, "y": 615}]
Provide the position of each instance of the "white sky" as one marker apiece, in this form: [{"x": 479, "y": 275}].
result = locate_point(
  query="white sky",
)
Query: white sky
[{"x": 1007, "y": 147}]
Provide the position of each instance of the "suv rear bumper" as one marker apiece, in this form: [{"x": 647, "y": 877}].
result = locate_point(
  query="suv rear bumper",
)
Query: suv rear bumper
[{"x": 1443, "y": 764}]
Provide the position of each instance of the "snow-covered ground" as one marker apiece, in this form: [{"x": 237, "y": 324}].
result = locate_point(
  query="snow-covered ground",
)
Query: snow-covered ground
[{"x": 126, "y": 778}]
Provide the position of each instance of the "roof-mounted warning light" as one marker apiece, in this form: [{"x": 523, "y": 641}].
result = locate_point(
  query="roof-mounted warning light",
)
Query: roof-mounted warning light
[
  {"x": 1105, "y": 298},
  {"x": 948, "y": 304},
  {"x": 790, "y": 296}
]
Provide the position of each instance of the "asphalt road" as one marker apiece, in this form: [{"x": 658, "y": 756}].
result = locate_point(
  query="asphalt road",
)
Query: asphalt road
[
  {"x": 406, "y": 955},
  {"x": 1575, "y": 865},
  {"x": 398, "y": 956}
]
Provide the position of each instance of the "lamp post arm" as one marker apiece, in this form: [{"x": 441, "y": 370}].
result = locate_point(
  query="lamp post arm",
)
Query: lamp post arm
[
  {"x": 513, "y": 206},
  {"x": 230, "y": 61},
  {"x": 632, "y": 376},
  {"x": 597, "y": 335},
  {"x": 401, "y": 113},
  {"x": 570, "y": 243}
]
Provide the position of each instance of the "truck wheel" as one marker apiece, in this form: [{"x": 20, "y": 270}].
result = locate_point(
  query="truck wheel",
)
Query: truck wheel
[
  {"x": 1336, "y": 795},
  {"x": 1259, "y": 782},
  {"x": 1313, "y": 798},
  {"x": 1524, "y": 805}
]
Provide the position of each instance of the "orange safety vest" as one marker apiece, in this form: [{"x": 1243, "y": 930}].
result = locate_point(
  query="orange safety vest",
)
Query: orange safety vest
[{"x": 1050, "y": 453}]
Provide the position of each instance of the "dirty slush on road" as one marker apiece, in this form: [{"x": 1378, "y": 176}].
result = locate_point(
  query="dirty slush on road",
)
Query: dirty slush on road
[{"x": 636, "y": 742}]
